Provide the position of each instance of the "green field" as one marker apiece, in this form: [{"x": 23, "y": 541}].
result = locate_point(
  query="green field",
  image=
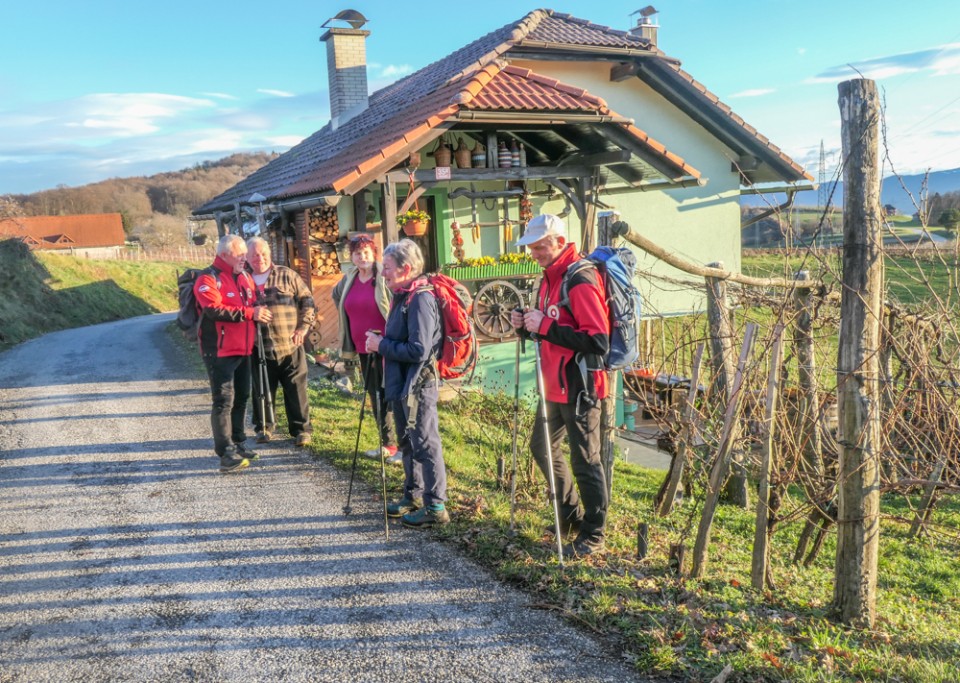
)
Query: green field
[{"x": 42, "y": 292}]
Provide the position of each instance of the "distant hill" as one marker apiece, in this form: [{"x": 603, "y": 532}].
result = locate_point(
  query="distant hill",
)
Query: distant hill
[
  {"x": 891, "y": 191},
  {"x": 154, "y": 208}
]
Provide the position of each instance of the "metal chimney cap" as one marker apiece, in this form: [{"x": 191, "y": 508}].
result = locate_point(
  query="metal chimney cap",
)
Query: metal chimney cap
[{"x": 350, "y": 16}]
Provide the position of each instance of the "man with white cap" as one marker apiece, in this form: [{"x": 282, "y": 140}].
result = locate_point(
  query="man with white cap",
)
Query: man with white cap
[{"x": 573, "y": 336}]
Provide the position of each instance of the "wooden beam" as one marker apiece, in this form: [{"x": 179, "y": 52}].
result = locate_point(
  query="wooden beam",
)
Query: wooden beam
[
  {"x": 480, "y": 174},
  {"x": 621, "y": 72},
  {"x": 569, "y": 193},
  {"x": 414, "y": 196},
  {"x": 600, "y": 159},
  {"x": 388, "y": 212}
]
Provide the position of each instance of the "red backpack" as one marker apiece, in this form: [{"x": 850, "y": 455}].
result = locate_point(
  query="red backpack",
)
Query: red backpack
[{"x": 458, "y": 354}]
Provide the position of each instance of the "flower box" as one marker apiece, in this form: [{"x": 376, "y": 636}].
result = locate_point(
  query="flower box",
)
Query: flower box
[{"x": 501, "y": 270}]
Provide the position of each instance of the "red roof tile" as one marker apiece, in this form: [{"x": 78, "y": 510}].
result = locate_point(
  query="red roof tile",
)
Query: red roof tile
[{"x": 63, "y": 232}]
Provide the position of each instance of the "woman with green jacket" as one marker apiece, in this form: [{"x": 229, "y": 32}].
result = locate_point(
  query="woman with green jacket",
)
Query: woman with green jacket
[{"x": 363, "y": 300}]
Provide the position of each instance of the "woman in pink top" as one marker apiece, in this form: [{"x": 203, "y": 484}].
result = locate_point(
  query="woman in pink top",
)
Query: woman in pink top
[{"x": 363, "y": 299}]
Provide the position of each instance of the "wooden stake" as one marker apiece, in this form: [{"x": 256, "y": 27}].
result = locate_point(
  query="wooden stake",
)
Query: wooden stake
[
  {"x": 722, "y": 459},
  {"x": 760, "y": 567}
]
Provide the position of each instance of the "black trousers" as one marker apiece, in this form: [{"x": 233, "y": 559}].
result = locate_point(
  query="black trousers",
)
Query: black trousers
[
  {"x": 583, "y": 433},
  {"x": 289, "y": 373},
  {"x": 371, "y": 369},
  {"x": 230, "y": 388}
]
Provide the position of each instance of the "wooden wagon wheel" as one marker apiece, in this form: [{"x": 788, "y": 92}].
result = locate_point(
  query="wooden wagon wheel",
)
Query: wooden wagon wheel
[{"x": 492, "y": 306}]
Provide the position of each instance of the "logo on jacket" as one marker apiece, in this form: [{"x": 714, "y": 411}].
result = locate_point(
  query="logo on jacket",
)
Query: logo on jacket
[
  {"x": 553, "y": 311},
  {"x": 229, "y": 294},
  {"x": 203, "y": 288}
]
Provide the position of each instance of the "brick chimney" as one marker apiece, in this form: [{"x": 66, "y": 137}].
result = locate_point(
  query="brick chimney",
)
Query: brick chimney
[
  {"x": 647, "y": 26},
  {"x": 346, "y": 66}
]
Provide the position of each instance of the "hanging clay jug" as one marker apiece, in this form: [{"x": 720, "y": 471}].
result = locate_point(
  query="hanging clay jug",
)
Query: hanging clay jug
[
  {"x": 479, "y": 156},
  {"x": 442, "y": 154},
  {"x": 462, "y": 155}
]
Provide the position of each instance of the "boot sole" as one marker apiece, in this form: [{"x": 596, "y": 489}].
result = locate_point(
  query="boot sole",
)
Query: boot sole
[{"x": 235, "y": 468}]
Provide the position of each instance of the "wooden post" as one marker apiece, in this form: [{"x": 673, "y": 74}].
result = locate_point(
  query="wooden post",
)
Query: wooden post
[
  {"x": 730, "y": 419},
  {"x": 807, "y": 378},
  {"x": 760, "y": 567},
  {"x": 360, "y": 211},
  {"x": 922, "y": 514},
  {"x": 858, "y": 521},
  {"x": 388, "y": 212},
  {"x": 721, "y": 356},
  {"x": 663, "y": 504}
]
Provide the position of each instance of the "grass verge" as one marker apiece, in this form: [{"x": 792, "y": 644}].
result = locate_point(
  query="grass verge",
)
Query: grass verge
[
  {"x": 44, "y": 292},
  {"x": 668, "y": 625}
]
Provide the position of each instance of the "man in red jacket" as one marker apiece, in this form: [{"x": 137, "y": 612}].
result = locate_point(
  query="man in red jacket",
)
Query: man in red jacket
[
  {"x": 573, "y": 338},
  {"x": 226, "y": 296}
]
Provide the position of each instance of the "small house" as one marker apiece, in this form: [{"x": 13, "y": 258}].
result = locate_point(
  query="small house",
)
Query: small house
[{"x": 549, "y": 113}]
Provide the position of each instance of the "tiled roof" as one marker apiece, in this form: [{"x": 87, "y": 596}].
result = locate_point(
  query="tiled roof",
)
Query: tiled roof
[
  {"x": 569, "y": 30},
  {"x": 516, "y": 89},
  {"x": 415, "y": 110},
  {"x": 63, "y": 232}
]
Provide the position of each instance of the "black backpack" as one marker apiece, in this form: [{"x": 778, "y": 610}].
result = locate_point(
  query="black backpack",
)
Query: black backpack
[{"x": 188, "y": 317}]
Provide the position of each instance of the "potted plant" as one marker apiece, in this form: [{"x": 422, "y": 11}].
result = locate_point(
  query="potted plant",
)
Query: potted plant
[{"x": 414, "y": 222}]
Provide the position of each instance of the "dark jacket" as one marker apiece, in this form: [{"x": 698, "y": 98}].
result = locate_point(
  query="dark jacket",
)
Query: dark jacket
[
  {"x": 411, "y": 341},
  {"x": 570, "y": 333},
  {"x": 226, "y": 301}
]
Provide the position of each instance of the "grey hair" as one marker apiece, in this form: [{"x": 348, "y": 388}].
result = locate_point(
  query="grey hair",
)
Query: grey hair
[
  {"x": 225, "y": 245},
  {"x": 406, "y": 252},
  {"x": 257, "y": 241}
]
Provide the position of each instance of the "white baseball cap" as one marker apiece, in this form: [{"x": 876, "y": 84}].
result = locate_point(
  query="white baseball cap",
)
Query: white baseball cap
[{"x": 544, "y": 225}]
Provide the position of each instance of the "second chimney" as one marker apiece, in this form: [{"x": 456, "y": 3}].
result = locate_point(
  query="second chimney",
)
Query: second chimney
[{"x": 346, "y": 67}]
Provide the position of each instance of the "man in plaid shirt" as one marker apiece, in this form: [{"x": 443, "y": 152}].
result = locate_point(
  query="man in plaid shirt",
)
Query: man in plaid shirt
[{"x": 290, "y": 301}]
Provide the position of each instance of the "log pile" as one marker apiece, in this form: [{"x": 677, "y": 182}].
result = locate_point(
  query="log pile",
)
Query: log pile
[
  {"x": 324, "y": 261},
  {"x": 324, "y": 230},
  {"x": 323, "y": 225}
]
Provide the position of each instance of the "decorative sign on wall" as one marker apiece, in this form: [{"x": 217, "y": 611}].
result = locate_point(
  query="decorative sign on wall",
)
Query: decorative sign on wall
[{"x": 441, "y": 173}]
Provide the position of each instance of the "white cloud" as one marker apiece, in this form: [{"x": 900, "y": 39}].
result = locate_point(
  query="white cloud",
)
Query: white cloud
[
  {"x": 275, "y": 93},
  {"x": 755, "y": 92},
  {"x": 219, "y": 95},
  {"x": 940, "y": 61},
  {"x": 801, "y": 50},
  {"x": 395, "y": 70}
]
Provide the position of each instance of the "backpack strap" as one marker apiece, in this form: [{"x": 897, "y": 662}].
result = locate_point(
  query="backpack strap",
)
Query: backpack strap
[{"x": 586, "y": 363}]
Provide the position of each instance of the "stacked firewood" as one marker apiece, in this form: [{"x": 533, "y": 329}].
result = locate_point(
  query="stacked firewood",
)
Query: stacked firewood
[
  {"x": 323, "y": 225},
  {"x": 323, "y": 260}
]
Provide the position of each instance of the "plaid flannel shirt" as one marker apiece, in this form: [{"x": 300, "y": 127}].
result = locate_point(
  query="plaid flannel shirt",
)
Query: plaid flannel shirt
[{"x": 291, "y": 302}]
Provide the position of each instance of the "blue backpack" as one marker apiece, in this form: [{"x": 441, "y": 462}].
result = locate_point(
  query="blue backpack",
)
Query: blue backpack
[{"x": 617, "y": 267}]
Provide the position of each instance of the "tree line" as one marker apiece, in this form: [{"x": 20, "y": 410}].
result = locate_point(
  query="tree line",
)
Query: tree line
[{"x": 154, "y": 208}]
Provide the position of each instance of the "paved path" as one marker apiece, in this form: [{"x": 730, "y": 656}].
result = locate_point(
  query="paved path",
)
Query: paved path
[{"x": 124, "y": 556}]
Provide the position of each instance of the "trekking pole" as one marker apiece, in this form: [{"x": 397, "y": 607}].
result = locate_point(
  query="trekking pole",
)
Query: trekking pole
[
  {"x": 265, "y": 399},
  {"x": 521, "y": 348},
  {"x": 546, "y": 443},
  {"x": 380, "y": 417},
  {"x": 356, "y": 449}
]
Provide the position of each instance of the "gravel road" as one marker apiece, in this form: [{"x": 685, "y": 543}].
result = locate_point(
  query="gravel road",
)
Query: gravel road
[{"x": 125, "y": 556}]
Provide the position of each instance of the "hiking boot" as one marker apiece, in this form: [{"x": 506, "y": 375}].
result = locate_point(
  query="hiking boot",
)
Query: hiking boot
[
  {"x": 425, "y": 517},
  {"x": 395, "y": 459},
  {"x": 567, "y": 527},
  {"x": 582, "y": 547},
  {"x": 399, "y": 508},
  {"x": 232, "y": 463},
  {"x": 303, "y": 440},
  {"x": 245, "y": 452},
  {"x": 264, "y": 436}
]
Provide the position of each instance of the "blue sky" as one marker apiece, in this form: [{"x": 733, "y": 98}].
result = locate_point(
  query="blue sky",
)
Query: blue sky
[{"x": 102, "y": 88}]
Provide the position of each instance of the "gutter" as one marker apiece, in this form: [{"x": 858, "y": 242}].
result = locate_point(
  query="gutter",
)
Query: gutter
[
  {"x": 791, "y": 194},
  {"x": 536, "y": 117}
]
